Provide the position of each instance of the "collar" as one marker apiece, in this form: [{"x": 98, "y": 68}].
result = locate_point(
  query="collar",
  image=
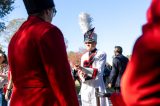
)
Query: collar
[{"x": 93, "y": 51}]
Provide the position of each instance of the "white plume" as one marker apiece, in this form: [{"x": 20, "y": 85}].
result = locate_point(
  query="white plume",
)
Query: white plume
[{"x": 85, "y": 22}]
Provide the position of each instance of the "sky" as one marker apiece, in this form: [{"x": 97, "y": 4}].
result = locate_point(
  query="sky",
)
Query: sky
[{"x": 116, "y": 22}]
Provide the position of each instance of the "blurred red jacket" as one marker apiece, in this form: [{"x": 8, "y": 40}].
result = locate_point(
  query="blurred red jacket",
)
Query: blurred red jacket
[
  {"x": 141, "y": 80},
  {"x": 39, "y": 66}
]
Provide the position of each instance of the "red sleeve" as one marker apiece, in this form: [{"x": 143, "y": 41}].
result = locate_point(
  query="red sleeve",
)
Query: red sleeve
[
  {"x": 141, "y": 80},
  {"x": 54, "y": 57},
  {"x": 95, "y": 71}
]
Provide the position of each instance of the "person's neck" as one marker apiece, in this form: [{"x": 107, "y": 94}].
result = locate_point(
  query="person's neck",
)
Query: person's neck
[
  {"x": 118, "y": 54},
  {"x": 40, "y": 16}
]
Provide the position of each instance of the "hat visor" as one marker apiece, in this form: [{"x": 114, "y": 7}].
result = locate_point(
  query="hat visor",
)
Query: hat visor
[{"x": 89, "y": 40}]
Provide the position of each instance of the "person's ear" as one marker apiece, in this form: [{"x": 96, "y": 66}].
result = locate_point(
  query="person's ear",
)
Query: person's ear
[{"x": 95, "y": 43}]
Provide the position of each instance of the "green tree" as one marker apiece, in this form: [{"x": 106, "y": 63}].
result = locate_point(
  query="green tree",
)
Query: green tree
[
  {"x": 75, "y": 57},
  {"x": 6, "y": 6},
  {"x": 8, "y": 32}
]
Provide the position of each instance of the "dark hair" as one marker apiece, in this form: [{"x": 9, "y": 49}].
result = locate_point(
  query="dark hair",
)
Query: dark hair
[
  {"x": 119, "y": 49},
  {"x": 5, "y": 57},
  {"x": 36, "y": 6}
]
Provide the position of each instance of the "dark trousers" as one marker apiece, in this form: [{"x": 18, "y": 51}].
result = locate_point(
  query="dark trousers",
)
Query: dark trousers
[
  {"x": 117, "y": 89},
  {"x": 3, "y": 102}
]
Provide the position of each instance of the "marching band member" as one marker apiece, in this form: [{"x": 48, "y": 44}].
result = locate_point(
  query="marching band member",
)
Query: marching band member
[{"x": 92, "y": 65}]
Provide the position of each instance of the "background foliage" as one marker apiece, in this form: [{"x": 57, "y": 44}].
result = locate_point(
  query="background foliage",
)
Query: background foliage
[{"x": 6, "y": 6}]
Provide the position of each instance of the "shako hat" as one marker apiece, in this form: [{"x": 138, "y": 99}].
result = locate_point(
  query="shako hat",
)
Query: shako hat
[
  {"x": 35, "y": 6},
  {"x": 90, "y": 36},
  {"x": 85, "y": 22}
]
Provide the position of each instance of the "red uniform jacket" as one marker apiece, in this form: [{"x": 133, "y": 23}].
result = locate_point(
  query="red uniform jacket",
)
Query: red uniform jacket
[
  {"x": 141, "y": 80},
  {"x": 39, "y": 66}
]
